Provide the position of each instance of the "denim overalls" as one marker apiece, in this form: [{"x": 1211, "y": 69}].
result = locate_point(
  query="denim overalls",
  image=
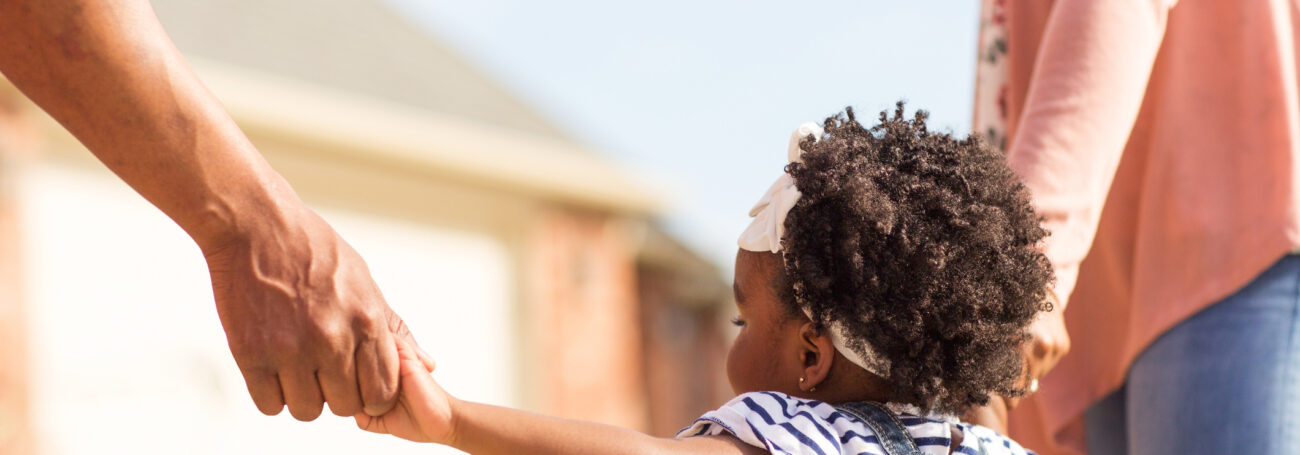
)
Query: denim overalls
[{"x": 892, "y": 434}]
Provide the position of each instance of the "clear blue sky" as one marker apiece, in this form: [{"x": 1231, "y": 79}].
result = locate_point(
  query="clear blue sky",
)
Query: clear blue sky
[{"x": 701, "y": 97}]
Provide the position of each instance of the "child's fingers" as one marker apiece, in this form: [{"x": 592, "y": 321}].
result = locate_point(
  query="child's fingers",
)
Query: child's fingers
[
  {"x": 414, "y": 372},
  {"x": 404, "y": 350},
  {"x": 408, "y": 351},
  {"x": 426, "y": 359},
  {"x": 410, "y": 346}
]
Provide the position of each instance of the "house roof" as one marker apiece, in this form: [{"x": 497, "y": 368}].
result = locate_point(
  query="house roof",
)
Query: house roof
[
  {"x": 343, "y": 124},
  {"x": 362, "y": 46},
  {"x": 357, "y": 78}
]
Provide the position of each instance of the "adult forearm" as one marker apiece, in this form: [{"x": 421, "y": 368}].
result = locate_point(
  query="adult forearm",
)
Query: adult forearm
[{"x": 109, "y": 74}]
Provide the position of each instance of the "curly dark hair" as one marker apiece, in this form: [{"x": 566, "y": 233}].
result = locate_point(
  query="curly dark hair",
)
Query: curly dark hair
[{"x": 923, "y": 246}]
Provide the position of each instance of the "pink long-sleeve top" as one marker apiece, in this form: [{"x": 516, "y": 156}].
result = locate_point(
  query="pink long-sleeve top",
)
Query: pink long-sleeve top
[{"x": 1161, "y": 141}]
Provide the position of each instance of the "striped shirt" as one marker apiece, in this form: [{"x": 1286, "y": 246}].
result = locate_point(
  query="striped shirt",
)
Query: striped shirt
[{"x": 787, "y": 425}]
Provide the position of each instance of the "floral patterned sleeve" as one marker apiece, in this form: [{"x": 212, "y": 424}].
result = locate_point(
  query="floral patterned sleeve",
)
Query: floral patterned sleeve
[{"x": 991, "y": 74}]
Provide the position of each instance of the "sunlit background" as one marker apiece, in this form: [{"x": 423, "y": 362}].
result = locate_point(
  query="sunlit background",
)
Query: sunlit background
[
  {"x": 548, "y": 192},
  {"x": 702, "y": 96}
]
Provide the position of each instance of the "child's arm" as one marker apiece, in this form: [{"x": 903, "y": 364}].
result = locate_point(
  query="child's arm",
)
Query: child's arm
[
  {"x": 486, "y": 429},
  {"x": 427, "y": 413}
]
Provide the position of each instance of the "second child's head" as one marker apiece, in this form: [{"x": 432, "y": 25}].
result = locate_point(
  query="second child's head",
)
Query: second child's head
[{"x": 889, "y": 263}]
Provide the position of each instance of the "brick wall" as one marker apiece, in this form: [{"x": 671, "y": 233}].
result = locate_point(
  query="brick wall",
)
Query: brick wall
[{"x": 581, "y": 313}]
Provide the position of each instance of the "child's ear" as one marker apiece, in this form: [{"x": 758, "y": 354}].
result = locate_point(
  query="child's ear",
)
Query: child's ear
[{"x": 816, "y": 352}]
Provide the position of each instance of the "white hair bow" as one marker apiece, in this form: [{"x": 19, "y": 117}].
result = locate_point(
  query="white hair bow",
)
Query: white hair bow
[
  {"x": 768, "y": 227},
  {"x": 764, "y": 233}
]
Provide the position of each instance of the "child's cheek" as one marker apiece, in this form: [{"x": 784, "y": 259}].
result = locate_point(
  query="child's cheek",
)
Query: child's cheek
[
  {"x": 735, "y": 364},
  {"x": 745, "y": 363}
]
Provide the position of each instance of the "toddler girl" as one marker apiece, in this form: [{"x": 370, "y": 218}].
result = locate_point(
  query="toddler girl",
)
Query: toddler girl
[{"x": 884, "y": 286}]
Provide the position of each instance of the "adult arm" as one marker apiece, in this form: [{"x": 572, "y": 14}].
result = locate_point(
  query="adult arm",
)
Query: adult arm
[
  {"x": 1089, "y": 80},
  {"x": 303, "y": 317},
  {"x": 1088, "y": 84}
]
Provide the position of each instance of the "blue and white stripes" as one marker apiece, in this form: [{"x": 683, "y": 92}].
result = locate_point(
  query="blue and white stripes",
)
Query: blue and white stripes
[{"x": 787, "y": 425}]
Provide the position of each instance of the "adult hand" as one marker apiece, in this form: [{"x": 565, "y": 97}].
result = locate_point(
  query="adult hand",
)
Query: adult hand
[
  {"x": 306, "y": 323},
  {"x": 1048, "y": 343},
  {"x": 424, "y": 412}
]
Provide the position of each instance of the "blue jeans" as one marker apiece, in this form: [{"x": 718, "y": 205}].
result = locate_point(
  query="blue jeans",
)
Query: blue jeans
[{"x": 1225, "y": 381}]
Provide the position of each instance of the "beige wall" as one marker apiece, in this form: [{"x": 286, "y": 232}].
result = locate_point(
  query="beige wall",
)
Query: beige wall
[
  {"x": 126, "y": 350},
  {"x": 16, "y": 135}
]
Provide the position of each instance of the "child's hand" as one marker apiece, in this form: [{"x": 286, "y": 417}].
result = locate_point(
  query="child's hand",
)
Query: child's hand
[{"x": 423, "y": 410}]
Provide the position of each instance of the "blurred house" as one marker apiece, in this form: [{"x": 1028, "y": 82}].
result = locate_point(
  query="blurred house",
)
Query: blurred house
[{"x": 527, "y": 264}]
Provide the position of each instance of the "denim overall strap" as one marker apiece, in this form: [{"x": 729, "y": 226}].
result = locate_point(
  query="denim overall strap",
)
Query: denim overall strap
[
  {"x": 980, "y": 443},
  {"x": 889, "y": 431}
]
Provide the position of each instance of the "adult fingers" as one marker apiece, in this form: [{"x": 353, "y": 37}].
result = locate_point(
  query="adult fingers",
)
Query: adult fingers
[
  {"x": 1051, "y": 343},
  {"x": 371, "y": 424},
  {"x": 264, "y": 387},
  {"x": 1036, "y": 370},
  {"x": 1060, "y": 346},
  {"x": 377, "y": 373},
  {"x": 1032, "y": 352},
  {"x": 302, "y": 394},
  {"x": 1036, "y": 355},
  {"x": 339, "y": 386},
  {"x": 1055, "y": 339}
]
